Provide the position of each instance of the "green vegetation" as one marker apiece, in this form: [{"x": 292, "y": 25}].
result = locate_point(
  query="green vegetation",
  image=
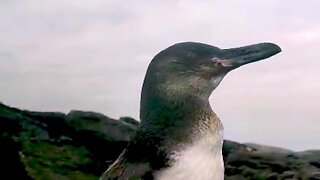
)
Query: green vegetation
[{"x": 45, "y": 160}]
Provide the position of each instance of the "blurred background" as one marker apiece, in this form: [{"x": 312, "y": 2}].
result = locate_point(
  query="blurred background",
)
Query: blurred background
[{"x": 92, "y": 55}]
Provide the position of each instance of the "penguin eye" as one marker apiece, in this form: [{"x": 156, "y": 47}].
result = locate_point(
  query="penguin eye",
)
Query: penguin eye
[
  {"x": 220, "y": 62},
  {"x": 216, "y": 62},
  {"x": 214, "y": 59}
]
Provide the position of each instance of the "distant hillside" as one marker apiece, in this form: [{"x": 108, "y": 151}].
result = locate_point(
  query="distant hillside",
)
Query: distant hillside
[{"x": 80, "y": 145}]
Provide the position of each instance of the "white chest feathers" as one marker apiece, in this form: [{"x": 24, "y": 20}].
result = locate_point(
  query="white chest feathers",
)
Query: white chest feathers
[{"x": 202, "y": 160}]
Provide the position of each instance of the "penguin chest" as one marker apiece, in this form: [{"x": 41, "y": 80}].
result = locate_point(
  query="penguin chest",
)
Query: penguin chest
[{"x": 202, "y": 160}]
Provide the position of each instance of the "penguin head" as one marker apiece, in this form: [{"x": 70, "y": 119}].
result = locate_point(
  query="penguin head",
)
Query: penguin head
[{"x": 191, "y": 67}]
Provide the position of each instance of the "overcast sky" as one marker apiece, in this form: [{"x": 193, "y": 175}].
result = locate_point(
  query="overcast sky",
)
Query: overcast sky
[{"x": 92, "y": 55}]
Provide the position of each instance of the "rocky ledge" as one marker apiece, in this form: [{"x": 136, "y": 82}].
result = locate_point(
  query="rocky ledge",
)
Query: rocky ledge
[{"x": 80, "y": 145}]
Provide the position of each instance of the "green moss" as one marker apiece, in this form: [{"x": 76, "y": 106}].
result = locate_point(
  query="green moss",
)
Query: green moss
[
  {"x": 253, "y": 174},
  {"x": 258, "y": 176},
  {"x": 44, "y": 160},
  {"x": 5, "y": 111}
]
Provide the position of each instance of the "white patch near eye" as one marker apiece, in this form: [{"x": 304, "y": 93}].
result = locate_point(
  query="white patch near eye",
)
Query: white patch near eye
[
  {"x": 221, "y": 62},
  {"x": 214, "y": 59}
]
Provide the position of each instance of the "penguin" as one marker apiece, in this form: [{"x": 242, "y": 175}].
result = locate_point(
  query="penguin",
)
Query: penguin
[{"x": 179, "y": 136}]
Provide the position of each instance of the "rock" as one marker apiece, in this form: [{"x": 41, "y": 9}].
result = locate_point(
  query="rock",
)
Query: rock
[
  {"x": 273, "y": 176},
  {"x": 289, "y": 175},
  {"x": 10, "y": 164},
  {"x": 81, "y": 144},
  {"x": 101, "y": 125},
  {"x": 267, "y": 149},
  {"x": 315, "y": 175},
  {"x": 129, "y": 120}
]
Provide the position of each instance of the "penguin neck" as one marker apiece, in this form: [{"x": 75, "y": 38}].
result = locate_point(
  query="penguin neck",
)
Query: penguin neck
[
  {"x": 186, "y": 128},
  {"x": 177, "y": 112},
  {"x": 170, "y": 100}
]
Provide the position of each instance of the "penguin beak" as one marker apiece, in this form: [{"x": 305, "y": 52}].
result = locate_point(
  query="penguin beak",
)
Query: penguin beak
[{"x": 236, "y": 57}]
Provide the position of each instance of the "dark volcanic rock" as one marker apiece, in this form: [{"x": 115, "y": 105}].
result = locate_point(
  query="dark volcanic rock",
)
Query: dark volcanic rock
[
  {"x": 80, "y": 145},
  {"x": 314, "y": 175},
  {"x": 129, "y": 120}
]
